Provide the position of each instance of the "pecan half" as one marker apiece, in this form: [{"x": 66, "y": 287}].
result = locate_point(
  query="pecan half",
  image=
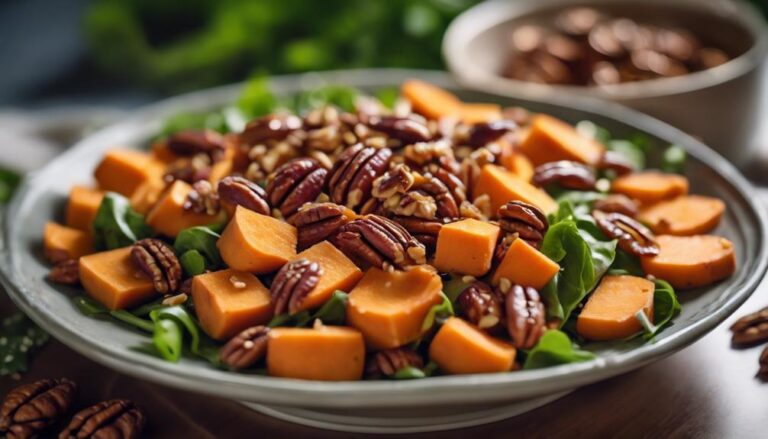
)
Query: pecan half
[
  {"x": 293, "y": 283},
  {"x": 634, "y": 238},
  {"x": 525, "y": 316},
  {"x": 193, "y": 142},
  {"x": 762, "y": 373},
  {"x": 447, "y": 205},
  {"x": 425, "y": 231},
  {"x": 239, "y": 191},
  {"x": 403, "y": 129},
  {"x": 619, "y": 204},
  {"x": 613, "y": 161},
  {"x": 427, "y": 156},
  {"x": 113, "y": 419},
  {"x": 570, "y": 175},
  {"x": 202, "y": 198},
  {"x": 455, "y": 186},
  {"x": 66, "y": 272},
  {"x": 271, "y": 127},
  {"x": 294, "y": 184},
  {"x": 750, "y": 329},
  {"x": 30, "y": 408},
  {"x": 316, "y": 222},
  {"x": 387, "y": 362},
  {"x": 395, "y": 181},
  {"x": 350, "y": 181},
  {"x": 487, "y": 132},
  {"x": 526, "y": 220},
  {"x": 246, "y": 348},
  {"x": 190, "y": 170},
  {"x": 481, "y": 306},
  {"x": 158, "y": 261},
  {"x": 379, "y": 242}
]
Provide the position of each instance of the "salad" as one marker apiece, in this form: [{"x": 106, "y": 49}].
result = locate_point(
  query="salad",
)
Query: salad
[{"x": 334, "y": 235}]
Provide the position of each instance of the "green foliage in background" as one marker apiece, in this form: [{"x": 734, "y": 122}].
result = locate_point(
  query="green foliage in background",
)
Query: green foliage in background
[{"x": 184, "y": 44}]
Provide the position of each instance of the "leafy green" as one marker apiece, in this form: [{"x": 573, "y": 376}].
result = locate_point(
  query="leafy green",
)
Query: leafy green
[
  {"x": 201, "y": 239},
  {"x": 387, "y": 96},
  {"x": 588, "y": 128},
  {"x": 438, "y": 313},
  {"x": 192, "y": 262},
  {"x": 333, "y": 312},
  {"x": 625, "y": 263},
  {"x": 19, "y": 338},
  {"x": 553, "y": 348},
  {"x": 9, "y": 181},
  {"x": 337, "y": 95},
  {"x": 257, "y": 98},
  {"x": 213, "y": 120},
  {"x": 674, "y": 159},
  {"x": 411, "y": 373},
  {"x": 631, "y": 152},
  {"x": 665, "y": 306},
  {"x": 170, "y": 325},
  {"x": 117, "y": 224},
  {"x": 453, "y": 287},
  {"x": 91, "y": 308}
]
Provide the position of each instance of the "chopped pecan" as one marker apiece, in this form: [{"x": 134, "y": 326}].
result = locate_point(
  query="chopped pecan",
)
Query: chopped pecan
[
  {"x": 525, "y": 316},
  {"x": 298, "y": 182},
  {"x": 613, "y": 161},
  {"x": 395, "y": 181},
  {"x": 404, "y": 129},
  {"x": 750, "y": 329},
  {"x": 633, "y": 237},
  {"x": 190, "y": 170},
  {"x": 425, "y": 231},
  {"x": 762, "y": 373},
  {"x": 482, "y": 306},
  {"x": 246, "y": 348},
  {"x": 271, "y": 127},
  {"x": 66, "y": 272},
  {"x": 447, "y": 205},
  {"x": 379, "y": 242},
  {"x": 487, "y": 132},
  {"x": 619, "y": 204},
  {"x": 158, "y": 261},
  {"x": 316, "y": 222},
  {"x": 30, "y": 408},
  {"x": 456, "y": 187},
  {"x": 239, "y": 191},
  {"x": 472, "y": 165},
  {"x": 202, "y": 198},
  {"x": 293, "y": 283},
  {"x": 525, "y": 220},
  {"x": 194, "y": 142},
  {"x": 389, "y": 361},
  {"x": 350, "y": 181},
  {"x": 569, "y": 175},
  {"x": 113, "y": 419},
  {"x": 426, "y": 156}
]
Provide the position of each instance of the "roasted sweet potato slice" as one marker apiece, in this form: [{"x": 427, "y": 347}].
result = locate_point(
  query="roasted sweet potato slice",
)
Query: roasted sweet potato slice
[
  {"x": 691, "y": 261},
  {"x": 609, "y": 314},
  {"x": 686, "y": 215}
]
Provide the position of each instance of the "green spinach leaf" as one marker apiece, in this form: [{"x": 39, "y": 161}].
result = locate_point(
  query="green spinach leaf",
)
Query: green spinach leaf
[
  {"x": 201, "y": 239},
  {"x": 117, "y": 224},
  {"x": 333, "y": 312},
  {"x": 257, "y": 99},
  {"x": 665, "y": 307},
  {"x": 192, "y": 262},
  {"x": 553, "y": 348},
  {"x": 674, "y": 159},
  {"x": 9, "y": 181},
  {"x": 438, "y": 313}
]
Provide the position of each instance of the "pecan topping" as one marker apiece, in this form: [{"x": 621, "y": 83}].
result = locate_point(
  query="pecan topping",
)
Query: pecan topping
[
  {"x": 472, "y": 165},
  {"x": 190, "y": 170},
  {"x": 615, "y": 162},
  {"x": 239, "y": 191},
  {"x": 30, "y": 408},
  {"x": 350, "y": 181},
  {"x": 379, "y": 242},
  {"x": 619, "y": 204},
  {"x": 762, "y": 373},
  {"x": 570, "y": 175},
  {"x": 66, "y": 272},
  {"x": 202, "y": 198},
  {"x": 317, "y": 221},
  {"x": 113, "y": 419},
  {"x": 158, "y": 261},
  {"x": 271, "y": 127},
  {"x": 425, "y": 231},
  {"x": 192, "y": 142},
  {"x": 294, "y": 184},
  {"x": 404, "y": 129},
  {"x": 293, "y": 283},
  {"x": 389, "y": 361},
  {"x": 487, "y": 132},
  {"x": 524, "y": 219},
  {"x": 525, "y": 316},
  {"x": 634, "y": 238},
  {"x": 454, "y": 184},
  {"x": 481, "y": 306},
  {"x": 395, "y": 181},
  {"x": 423, "y": 155},
  {"x": 750, "y": 329},
  {"x": 246, "y": 348}
]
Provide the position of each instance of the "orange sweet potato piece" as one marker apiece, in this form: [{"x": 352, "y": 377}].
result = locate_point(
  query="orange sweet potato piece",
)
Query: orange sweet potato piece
[
  {"x": 168, "y": 216},
  {"x": 550, "y": 140},
  {"x": 459, "y": 347},
  {"x": 473, "y": 113},
  {"x": 650, "y": 186},
  {"x": 123, "y": 171},
  {"x": 502, "y": 186},
  {"x": 466, "y": 247},
  {"x": 691, "y": 261},
  {"x": 609, "y": 314},
  {"x": 147, "y": 195},
  {"x": 519, "y": 165},
  {"x": 257, "y": 243},
  {"x": 229, "y": 301},
  {"x": 524, "y": 265},
  {"x": 389, "y": 307},
  {"x": 327, "y": 353},
  {"x": 429, "y": 100},
  {"x": 685, "y": 215},
  {"x": 62, "y": 242},
  {"x": 339, "y": 273},
  {"x": 161, "y": 152},
  {"x": 82, "y": 207},
  {"x": 224, "y": 166},
  {"x": 114, "y": 280}
]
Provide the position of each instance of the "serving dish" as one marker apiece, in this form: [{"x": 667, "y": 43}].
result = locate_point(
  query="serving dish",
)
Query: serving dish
[{"x": 429, "y": 404}]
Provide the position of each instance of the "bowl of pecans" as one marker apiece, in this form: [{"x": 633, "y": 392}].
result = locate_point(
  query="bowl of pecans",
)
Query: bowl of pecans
[{"x": 686, "y": 62}]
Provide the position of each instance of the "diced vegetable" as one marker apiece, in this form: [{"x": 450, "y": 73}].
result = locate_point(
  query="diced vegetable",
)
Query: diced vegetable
[
  {"x": 257, "y": 243},
  {"x": 460, "y": 348},
  {"x": 691, "y": 261},
  {"x": 466, "y": 247}
]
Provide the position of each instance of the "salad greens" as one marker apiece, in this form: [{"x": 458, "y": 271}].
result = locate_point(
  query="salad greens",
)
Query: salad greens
[
  {"x": 198, "y": 250},
  {"x": 9, "y": 180},
  {"x": 673, "y": 159},
  {"x": 438, "y": 313},
  {"x": 553, "y": 348},
  {"x": 117, "y": 224},
  {"x": 333, "y": 312}
]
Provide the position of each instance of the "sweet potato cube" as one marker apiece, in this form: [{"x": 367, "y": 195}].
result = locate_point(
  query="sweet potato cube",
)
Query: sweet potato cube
[
  {"x": 473, "y": 113},
  {"x": 459, "y": 347},
  {"x": 147, "y": 195},
  {"x": 389, "y": 307},
  {"x": 339, "y": 273},
  {"x": 550, "y": 140},
  {"x": 123, "y": 171},
  {"x": 161, "y": 152},
  {"x": 62, "y": 242},
  {"x": 326, "y": 353},
  {"x": 430, "y": 100},
  {"x": 82, "y": 207},
  {"x": 691, "y": 261},
  {"x": 257, "y": 243},
  {"x": 223, "y": 167},
  {"x": 502, "y": 186},
  {"x": 229, "y": 301},
  {"x": 114, "y": 280},
  {"x": 650, "y": 186},
  {"x": 466, "y": 247},
  {"x": 524, "y": 265},
  {"x": 609, "y": 314},
  {"x": 519, "y": 165},
  {"x": 168, "y": 216}
]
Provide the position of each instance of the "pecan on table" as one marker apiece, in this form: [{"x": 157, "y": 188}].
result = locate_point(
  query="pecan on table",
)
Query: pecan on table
[
  {"x": 66, "y": 272},
  {"x": 482, "y": 306},
  {"x": 113, "y": 419},
  {"x": 618, "y": 203},
  {"x": 633, "y": 237},
  {"x": 404, "y": 129},
  {"x": 379, "y": 242},
  {"x": 350, "y": 181},
  {"x": 246, "y": 348},
  {"x": 293, "y": 283},
  {"x": 298, "y": 182},
  {"x": 316, "y": 222},
  {"x": 238, "y": 191},
  {"x": 613, "y": 161},
  {"x": 750, "y": 329},
  {"x": 425, "y": 231},
  {"x": 30, "y": 408},
  {"x": 525, "y": 316},
  {"x": 487, "y": 132},
  {"x": 526, "y": 220},
  {"x": 387, "y": 362},
  {"x": 194, "y": 142},
  {"x": 158, "y": 261},
  {"x": 202, "y": 198},
  {"x": 762, "y": 373},
  {"x": 273, "y": 127},
  {"x": 568, "y": 174}
]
